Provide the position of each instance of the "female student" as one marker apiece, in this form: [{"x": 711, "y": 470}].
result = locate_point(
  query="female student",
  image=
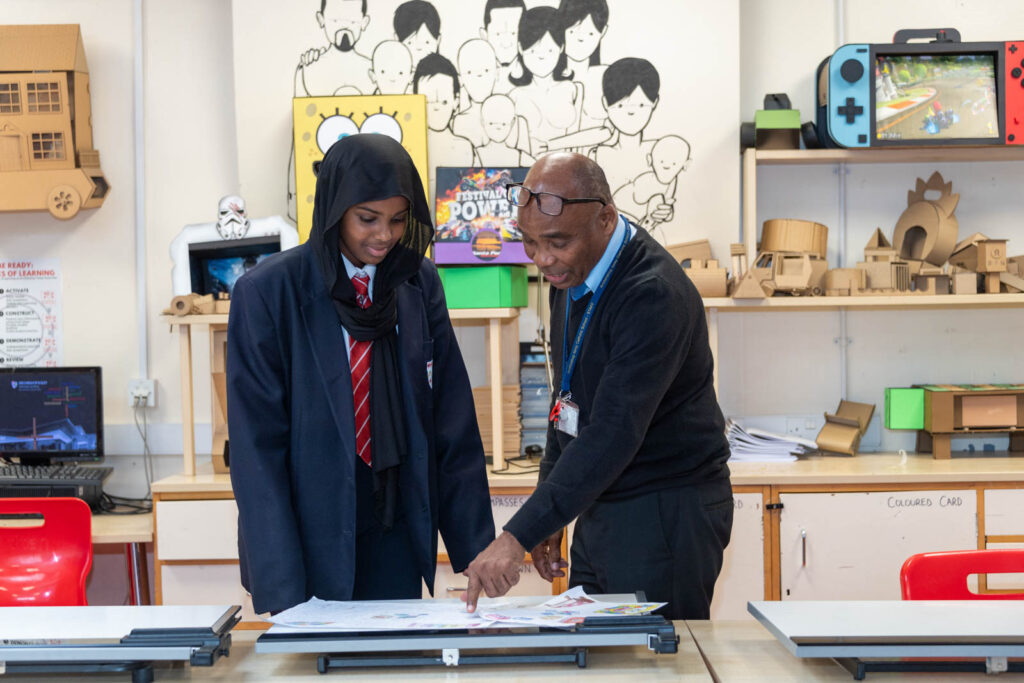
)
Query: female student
[{"x": 353, "y": 434}]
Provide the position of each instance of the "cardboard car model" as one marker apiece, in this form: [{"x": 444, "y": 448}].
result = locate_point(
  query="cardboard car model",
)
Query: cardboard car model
[{"x": 47, "y": 159}]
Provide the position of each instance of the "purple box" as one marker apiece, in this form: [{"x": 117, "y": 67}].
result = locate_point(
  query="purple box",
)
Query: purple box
[{"x": 475, "y": 222}]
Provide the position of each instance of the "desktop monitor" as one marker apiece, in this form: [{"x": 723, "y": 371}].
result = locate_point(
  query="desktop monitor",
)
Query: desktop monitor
[
  {"x": 216, "y": 266},
  {"x": 51, "y": 415}
]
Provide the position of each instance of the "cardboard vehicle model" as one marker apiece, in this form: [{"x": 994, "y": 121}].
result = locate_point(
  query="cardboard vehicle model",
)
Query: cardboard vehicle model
[
  {"x": 795, "y": 273},
  {"x": 47, "y": 160}
]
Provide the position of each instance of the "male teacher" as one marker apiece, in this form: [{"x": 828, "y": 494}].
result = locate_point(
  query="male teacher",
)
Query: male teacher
[{"x": 636, "y": 449}]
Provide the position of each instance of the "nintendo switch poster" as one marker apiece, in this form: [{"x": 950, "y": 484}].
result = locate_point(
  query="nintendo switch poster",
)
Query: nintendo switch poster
[
  {"x": 638, "y": 87},
  {"x": 936, "y": 97},
  {"x": 30, "y": 318},
  {"x": 476, "y": 224}
]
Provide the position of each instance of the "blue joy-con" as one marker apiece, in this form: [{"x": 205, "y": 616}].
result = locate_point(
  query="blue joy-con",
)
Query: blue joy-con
[{"x": 849, "y": 96}]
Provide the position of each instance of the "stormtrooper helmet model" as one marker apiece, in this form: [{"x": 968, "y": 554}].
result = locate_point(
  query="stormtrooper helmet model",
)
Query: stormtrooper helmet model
[{"x": 232, "y": 221}]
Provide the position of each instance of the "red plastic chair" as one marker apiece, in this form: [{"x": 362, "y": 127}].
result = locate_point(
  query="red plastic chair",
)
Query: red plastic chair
[
  {"x": 48, "y": 564},
  {"x": 943, "y": 576}
]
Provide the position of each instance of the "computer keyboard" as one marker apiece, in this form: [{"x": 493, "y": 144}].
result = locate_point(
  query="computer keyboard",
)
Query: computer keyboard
[{"x": 49, "y": 481}]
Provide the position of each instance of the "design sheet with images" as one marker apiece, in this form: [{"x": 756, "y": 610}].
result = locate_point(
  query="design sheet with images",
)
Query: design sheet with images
[{"x": 561, "y": 611}]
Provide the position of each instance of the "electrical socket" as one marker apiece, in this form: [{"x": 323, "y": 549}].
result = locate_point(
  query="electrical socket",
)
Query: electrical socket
[{"x": 142, "y": 388}]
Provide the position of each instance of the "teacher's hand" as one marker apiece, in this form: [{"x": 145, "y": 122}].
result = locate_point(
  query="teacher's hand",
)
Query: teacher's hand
[
  {"x": 547, "y": 557},
  {"x": 495, "y": 570}
]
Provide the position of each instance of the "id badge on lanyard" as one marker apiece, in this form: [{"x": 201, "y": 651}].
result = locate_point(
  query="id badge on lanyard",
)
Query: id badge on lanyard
[{"x": 566, "y": 414}]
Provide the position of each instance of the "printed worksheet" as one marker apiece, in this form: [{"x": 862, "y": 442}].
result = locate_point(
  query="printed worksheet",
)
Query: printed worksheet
[{"x": 561, "y": 611}]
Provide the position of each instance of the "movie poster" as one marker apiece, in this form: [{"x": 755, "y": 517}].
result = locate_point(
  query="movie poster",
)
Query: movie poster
[{"x": 476, "y": 224}]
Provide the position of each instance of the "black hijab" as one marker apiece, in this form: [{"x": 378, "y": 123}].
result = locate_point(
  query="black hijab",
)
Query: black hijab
[{"x": 357, "y": 169}]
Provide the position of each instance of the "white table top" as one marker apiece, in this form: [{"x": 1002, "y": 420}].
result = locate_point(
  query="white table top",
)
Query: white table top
[
  {"x": 906, "y": 621},
  {"x": 65, "y": 625}
]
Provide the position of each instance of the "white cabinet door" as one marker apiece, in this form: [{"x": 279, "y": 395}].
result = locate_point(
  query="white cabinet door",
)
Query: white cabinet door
[
  {"x": 850, "y": 546},
  {"x": 1004, "y": 512},
  {"x": 742, "y": 577},
  {"x": 197, "y": 530}
]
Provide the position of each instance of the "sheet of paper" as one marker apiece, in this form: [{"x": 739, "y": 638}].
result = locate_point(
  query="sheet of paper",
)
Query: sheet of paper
[{"x": 561, "y": 611}]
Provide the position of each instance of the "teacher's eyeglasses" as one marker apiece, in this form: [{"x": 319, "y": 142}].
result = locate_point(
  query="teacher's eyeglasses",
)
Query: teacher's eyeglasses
[{"x": 549, "y": 204}]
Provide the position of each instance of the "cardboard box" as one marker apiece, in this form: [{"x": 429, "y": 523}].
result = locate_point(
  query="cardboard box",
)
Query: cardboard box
[
  {"x": 709, "y": 279},
  {"x": 843, "y": 430},
  {"x": 904, "y": 408},
  {"x": 965, "y": 283},
  {"x": 777, "y": 129},
  {"x": 484, "y": 286},
  {"x": 988, "y": 411},
  {"x": 983, "y": 256},
  {"x": 699, "y": 250}
]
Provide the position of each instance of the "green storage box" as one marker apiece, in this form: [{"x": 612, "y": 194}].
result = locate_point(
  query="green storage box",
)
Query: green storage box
[
  {"x": 484, "y": 286},
  {"x": 904, "y": 408}
]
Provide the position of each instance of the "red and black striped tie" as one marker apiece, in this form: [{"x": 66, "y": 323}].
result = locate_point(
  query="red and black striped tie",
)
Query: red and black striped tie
[{"x": 359, "y": 361}]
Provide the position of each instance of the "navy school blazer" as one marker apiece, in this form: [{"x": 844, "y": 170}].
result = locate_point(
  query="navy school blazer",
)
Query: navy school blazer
[{"x": 292, "y": 439}]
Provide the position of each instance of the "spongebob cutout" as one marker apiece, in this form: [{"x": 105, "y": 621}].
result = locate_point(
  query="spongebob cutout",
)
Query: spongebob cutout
[{"x": 319, "y": 122}]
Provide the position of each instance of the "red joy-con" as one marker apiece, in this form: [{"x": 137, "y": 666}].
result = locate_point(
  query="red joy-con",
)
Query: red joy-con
[{"x": 1013, "y": 99}]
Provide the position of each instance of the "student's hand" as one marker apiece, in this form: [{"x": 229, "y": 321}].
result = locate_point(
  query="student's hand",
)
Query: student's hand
[
  {"x": 495, "y": 570},
  {"x": 547, "y": 557}
]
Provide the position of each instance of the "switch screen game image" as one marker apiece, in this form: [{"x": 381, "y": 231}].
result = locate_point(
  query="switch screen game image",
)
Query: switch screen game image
[
  {"x": 475, "y": 221},
  {"x": 935, "y": 97},
  {"x": 48, "y": 411}
]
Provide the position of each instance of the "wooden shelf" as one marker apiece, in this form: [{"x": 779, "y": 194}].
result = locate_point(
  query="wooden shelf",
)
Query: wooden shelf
[
  {"x": 453, "y": 313},
  {"x": 906, "y": 155},
  {"x": 482, "y": 313},
  {"x": 907, "y": 301}
]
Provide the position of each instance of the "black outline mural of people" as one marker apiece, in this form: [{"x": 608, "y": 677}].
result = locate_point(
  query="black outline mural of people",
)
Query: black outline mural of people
[
  {"x": 499, "y": 122},
  {"x": 478, "y": 70},
  {"x": 391, "y": 68},
  {"x": 545, "y": 94},
  {"x": 586, "y": 22},
  {"x": 544, "y": 61},
  {"x": 501, "y": 30},
  {"x": 437, "y": 79},
  {"x": 324, "y": 70},
  {"x": 649, "y": 199},
  {"x": 418, "y": 26}
]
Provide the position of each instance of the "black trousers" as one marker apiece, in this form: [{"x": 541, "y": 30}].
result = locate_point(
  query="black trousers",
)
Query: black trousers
[
  {"x": 386, "y": 565},
  {"x": 667, "y": 543}
]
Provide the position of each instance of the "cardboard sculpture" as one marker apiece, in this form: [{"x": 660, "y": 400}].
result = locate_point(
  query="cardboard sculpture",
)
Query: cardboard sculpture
[
  {"x": 791, "y": 260},
  {"x": 209, "y": 257},
  {"x": 708, "y": 277},
  {"x": 790, "y": 234},
  {"x": 698, "y": 249},
  {"x": 738, "y": 251},
  {"x": 47, "y": 161},
  {"x": 843, "y": 430},
  {"x": 942, "y": 411},
  {"x": 845, "y": 281},
  {"x": 884, "y": 271},
  {"x": 982, "y": 255},
  {"x": 927, "y": 229}
]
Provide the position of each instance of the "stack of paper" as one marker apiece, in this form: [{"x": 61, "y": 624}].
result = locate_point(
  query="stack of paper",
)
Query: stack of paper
[
  {"x": 755, "y": 445},
  {"x": 561, "y": 611}
]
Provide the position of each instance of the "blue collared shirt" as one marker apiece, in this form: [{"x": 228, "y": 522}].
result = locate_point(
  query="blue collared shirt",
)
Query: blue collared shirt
[{"x": 594, "y": 278}]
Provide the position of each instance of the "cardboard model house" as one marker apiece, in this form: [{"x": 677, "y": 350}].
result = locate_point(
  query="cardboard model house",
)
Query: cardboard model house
[{"x": 47, "y": 160}]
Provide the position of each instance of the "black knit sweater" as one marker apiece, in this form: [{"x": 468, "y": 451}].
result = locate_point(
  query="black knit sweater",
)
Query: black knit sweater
[{"x": 644, "y": 384}]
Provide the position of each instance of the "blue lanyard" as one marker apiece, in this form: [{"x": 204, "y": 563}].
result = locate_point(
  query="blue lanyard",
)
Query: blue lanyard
[{"x": 569, "y": 365}]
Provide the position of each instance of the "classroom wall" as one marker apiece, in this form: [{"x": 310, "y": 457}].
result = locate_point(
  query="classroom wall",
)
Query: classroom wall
[{"x": 771, "y": 365}]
